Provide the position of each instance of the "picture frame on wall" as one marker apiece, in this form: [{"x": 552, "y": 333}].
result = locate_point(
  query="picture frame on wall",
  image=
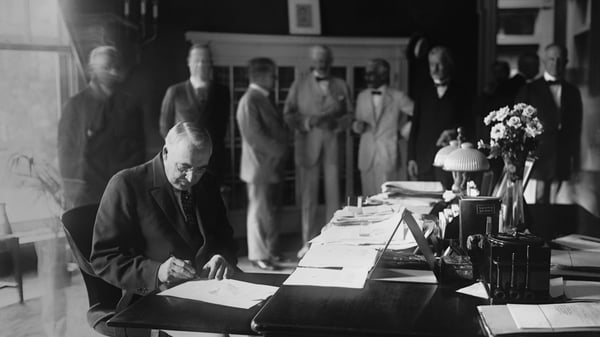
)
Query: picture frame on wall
[{"x": 304, "y": 17}]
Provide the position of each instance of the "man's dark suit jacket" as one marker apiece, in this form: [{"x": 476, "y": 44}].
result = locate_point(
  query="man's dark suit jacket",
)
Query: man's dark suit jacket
[
  {"x": 97, "y": 137},
  {"x": 559, "y": 149},
  {"x": 139, "y": 225},
  {"x": 181, "y": 104},
  {"x": 431, "y": 116}
]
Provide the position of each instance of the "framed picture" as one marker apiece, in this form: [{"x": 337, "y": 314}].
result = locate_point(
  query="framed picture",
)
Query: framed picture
[{"x": 304, "y": 17}]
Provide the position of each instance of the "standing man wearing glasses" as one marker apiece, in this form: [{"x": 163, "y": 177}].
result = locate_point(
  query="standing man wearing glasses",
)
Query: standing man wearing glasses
[
  {"x": 201, "y": 101},
  {"x": 164, "y": 220},
  {"x": 264, "y": 143}
]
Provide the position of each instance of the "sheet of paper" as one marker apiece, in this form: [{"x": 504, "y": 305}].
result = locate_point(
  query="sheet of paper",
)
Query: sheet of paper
[
  {"x": 578, "y": 241},
  {"x": 582, "y": 290},
  {"x": 587, "y": 259},
  {"x": 528, "y": 316},
  {"x": 404, "y": 275},
  {"x": 376, "y": 234},
  {"x": 319, "y": 277},
  {"x": 231, "y": 293},
  {"x": 497, "y": 319},
  {"x": 572, "y": 315},
  {"x": 476, "y": 289},
  {"x": 340, "y": 256}
]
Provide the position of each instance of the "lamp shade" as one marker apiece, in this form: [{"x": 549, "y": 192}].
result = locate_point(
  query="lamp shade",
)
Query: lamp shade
[
  {"x": 442, "y": 154},
  {"x": 466, "y": 159}
]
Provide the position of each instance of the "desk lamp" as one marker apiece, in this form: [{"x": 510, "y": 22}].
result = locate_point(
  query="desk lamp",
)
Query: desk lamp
[
  {"x": 462, "y": 161},
  {"x": 442, "y": 154}
]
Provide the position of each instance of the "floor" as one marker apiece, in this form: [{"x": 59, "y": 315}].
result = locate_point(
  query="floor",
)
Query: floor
[{"x": 25, "y": 320}]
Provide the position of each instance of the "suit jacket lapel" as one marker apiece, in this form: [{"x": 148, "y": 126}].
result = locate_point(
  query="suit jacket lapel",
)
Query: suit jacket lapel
[
  {"x": 163, "y": 194},
  {"x": 386, "y": 101}
]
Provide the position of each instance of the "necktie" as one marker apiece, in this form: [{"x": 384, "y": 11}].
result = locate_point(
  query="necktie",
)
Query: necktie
[
  {"x": 375, "y": 92},
  {"x": 437, "y": 85},
  {"x": 189, "y": 211},
  {"x": 553, "y": 82},
  {"x": 319, "y": 78}
]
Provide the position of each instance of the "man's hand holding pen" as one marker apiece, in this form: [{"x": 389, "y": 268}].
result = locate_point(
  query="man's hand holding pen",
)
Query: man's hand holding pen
[{"x": 175, "y": 269}]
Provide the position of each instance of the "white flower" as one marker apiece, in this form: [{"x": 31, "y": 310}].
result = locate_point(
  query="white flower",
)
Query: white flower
[
  {"x": 514, "y": 122},
  {"x": 498, "y": 131},
  {"x": 529, "y": 111},
  {"x": 520, "y": 106},
  {"x": 481, "y": 144},
  {"x": 502, "y": 113},
  {"x": 489, "y": 118}
]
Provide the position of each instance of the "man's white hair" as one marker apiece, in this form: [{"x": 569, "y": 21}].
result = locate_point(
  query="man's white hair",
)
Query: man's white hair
[
  {"x": 187, "y": 131},
  {"x": 103, "y": 50}
]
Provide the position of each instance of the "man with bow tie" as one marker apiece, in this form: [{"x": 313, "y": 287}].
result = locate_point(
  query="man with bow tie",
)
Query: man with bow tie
[
  {"x": 560, "y": 110},
  {"x": 381, "y": 113},
  {"x": 164, "y": 221},
  {"x": 202, "y": 101},
  {"x": 99, "y": 131},
  {"x": 440, "y": 108},
  {"x": 317, "y": 107}
]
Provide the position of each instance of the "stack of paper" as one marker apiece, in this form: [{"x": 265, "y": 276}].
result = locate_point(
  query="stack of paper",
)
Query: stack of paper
[
  {"x": 321, "y": 277},
  {"x": 339, "y": 256},
  {"x": 231, "y": 293},
  {"x": 534, "y": 318},
  {"x": 375, "y": 234},
  {"x": 413, "y": 188}
]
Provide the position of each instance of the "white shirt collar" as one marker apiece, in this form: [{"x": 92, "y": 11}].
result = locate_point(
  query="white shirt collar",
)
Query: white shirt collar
[
  {"x": 549, "y": 77},
  {"x": 197, "y": 83},
  {"x": 259, "y": 89}
]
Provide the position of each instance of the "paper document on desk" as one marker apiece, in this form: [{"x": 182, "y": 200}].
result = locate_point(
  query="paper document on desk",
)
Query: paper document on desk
[
  {"x": 556, "y": 317},
  {"x": 374, "y": 234},
  {"x": 231, "y": 293},
  {"x": 339, "y": 256},
  {"x": 578, "y": 241},
  {"x": 413, "y": 188},
  {"x": 319, "y": 277}
]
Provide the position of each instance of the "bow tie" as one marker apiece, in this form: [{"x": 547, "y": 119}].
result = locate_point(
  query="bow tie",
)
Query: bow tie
[
  {"x": 319, "y": 79},
  {"x": 552, "y": 82},
  {"x": 376, "y": 92}
]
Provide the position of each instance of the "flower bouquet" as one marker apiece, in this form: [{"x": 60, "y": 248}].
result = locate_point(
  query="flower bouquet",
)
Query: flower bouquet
[{"x": 513, "y": 137}]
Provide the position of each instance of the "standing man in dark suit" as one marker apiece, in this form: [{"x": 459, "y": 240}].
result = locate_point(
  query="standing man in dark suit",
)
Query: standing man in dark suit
[
  {"x": 264, "y": 144},
  {"x": 99, "y": 131},
  {"x": 440, "y": 108},
  {"x": 164, "y": 220},
  {"x": 317, "y": 107},
  {"x": 202, "y": 101},
  {"x": 560, "y": 110}
]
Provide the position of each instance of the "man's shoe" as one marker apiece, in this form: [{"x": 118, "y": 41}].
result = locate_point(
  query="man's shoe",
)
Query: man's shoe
[{"x": 264, "y": 265}]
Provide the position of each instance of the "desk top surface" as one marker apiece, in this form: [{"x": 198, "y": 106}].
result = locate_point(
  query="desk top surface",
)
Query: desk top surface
[
  {"x": 381, "y": 308},
  {"x": 170, "y": 313}
]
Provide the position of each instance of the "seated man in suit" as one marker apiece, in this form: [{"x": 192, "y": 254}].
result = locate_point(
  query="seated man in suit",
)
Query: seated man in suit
[
  {"x": 164, "y": 221},
  {"x": 264, "y": 144},
  {"x": 381, "y": 112}
]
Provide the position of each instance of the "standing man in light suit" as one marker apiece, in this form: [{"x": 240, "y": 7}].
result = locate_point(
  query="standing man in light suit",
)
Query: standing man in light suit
[
  {"x": 381, "y": 113},
  {"x": 317, "y": 107},
  {"x": 264, "y": 143}
]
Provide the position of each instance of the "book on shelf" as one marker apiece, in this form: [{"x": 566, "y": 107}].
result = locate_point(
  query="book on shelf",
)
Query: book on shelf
[{"x": 518, "y": 319}]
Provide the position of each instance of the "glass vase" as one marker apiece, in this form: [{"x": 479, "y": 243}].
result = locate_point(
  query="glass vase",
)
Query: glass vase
[{"x": 512, "y": 201}]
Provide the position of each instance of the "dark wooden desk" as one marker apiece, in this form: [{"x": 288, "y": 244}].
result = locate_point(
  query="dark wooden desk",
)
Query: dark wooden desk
[
  {"x": 552, "y": 221},
  {"x": 380, "y": 309},
  {"x": 170, "y": 313}
]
